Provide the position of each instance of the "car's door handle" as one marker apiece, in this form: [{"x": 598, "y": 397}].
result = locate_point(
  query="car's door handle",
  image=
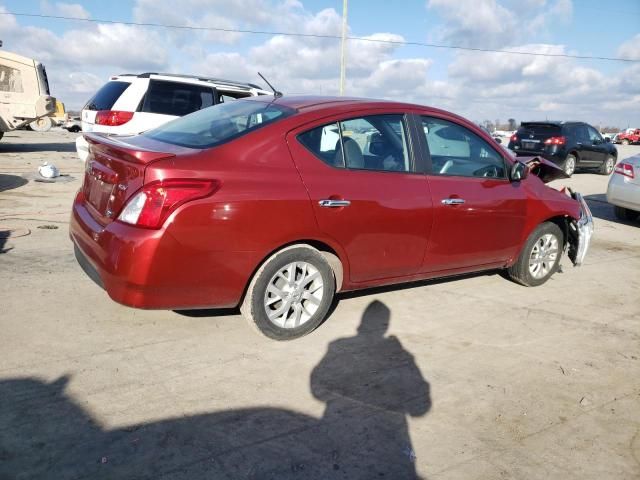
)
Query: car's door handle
[
  {"x": 452, "y": 201},
  {"x": 334, "y": 203}
]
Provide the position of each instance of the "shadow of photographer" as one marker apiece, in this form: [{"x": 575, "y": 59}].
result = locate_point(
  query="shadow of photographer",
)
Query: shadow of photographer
[{"x": 369, "y": 382}]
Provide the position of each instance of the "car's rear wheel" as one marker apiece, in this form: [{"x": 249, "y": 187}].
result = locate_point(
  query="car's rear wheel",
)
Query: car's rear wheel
[
  {"x": 569, "y": 166},
  {"x": 540, "y": 257},
  {"x": 607, "y": 167},
  {"x": 625, "y": 214},
  {"x": 290, "y": 294}
]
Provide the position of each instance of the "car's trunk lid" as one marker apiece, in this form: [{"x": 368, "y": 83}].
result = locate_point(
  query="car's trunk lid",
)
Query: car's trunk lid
[{"x": 114, "y": 171}]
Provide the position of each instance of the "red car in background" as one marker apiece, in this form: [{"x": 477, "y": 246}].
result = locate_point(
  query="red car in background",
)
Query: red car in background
[{"x": 276, "y": 204}]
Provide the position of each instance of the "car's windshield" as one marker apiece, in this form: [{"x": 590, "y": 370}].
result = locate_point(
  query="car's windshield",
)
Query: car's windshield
[{"x": 219, "y": 124}]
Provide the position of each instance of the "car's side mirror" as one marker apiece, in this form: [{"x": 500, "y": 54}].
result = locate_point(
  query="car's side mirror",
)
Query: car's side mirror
[
  {"x": 607, "y": 139},
  {"x": 497, "y": 139},
  {"x": 519, "y": 171}
]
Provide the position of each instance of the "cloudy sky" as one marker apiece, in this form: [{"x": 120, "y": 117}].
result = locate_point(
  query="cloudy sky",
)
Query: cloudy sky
[{"x": 80, "y": 56}]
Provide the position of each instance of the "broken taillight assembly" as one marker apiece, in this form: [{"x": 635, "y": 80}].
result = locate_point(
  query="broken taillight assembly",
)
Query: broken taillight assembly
[
  {"x": 152, "y": 205},
  {"x": 625, "y": 169}
]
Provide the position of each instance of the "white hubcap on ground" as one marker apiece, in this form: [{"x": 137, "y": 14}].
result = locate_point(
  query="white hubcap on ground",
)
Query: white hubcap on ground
[
  {"x": 543, "y": 256},
  {"x": 293, "y": 295}
]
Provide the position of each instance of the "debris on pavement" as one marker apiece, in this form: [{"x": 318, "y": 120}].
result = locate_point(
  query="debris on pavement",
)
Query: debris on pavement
[{"x": 48, "y": 170}]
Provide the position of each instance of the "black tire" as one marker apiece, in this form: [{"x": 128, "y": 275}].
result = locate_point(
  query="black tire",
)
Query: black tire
[
  {"x": 519, "y": 272},
  {"x": 607, "y": 166},
  {"x": 253, "y": 307},
  {"x": 569, "y": 164},
  {"x": 625, "y": 214},
  {"x": 625, "y": 141}
]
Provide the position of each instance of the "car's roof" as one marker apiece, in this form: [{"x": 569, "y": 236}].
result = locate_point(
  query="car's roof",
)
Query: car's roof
[
  {"x": 317, "y": 102},
  {"x": 553, "y": 122},
  {"x": 220, "y": 81}
]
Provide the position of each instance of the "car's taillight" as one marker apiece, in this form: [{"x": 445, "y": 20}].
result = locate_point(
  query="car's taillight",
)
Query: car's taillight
[
  {"x": 514, "y": 138},
  {"x": 625, "y": 169},
  {"x": 112, "y": 118},
  {"x": 555, "y": 141},
  {"x": 150, "y": 207}
]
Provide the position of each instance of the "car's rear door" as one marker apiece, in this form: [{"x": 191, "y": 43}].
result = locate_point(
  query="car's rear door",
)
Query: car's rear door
[
  {"x": 479, "y": 215},
  {"x": 366, "y": 195}
]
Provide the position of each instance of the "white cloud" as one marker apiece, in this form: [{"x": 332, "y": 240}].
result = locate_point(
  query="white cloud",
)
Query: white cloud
[
  {"x": 64, "y": 9},
  {"x": 630, "y": 49},
  {"x": 475, "y": 22},
  {"x": 494, "y": 24},
  {"x": 71, "y": 10}
]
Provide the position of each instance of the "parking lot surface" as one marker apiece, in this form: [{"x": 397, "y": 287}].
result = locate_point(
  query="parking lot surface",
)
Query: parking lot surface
[{"x": 472, "y": 377}]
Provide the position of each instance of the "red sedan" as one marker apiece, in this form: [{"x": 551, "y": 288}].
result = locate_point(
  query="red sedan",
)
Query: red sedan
[{"x": 276, "y": 204}]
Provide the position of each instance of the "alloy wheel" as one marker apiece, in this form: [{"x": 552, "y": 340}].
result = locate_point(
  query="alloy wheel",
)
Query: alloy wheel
[
  {"x": 609, "y": 166},
  {"x": 293, "y": 295},
  {"x": 543, "y": 256},
  {"x": 570, "y": 165}
]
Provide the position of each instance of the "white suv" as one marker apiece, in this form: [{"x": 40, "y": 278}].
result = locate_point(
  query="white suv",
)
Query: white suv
[{"x": 131, "y": 104}]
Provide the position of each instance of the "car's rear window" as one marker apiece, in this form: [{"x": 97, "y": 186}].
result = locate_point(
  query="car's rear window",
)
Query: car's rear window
[
  {"x": 219, "y": 124},
  {"x": 107, "y": 96},
  {"x": 540, "y": 129}
]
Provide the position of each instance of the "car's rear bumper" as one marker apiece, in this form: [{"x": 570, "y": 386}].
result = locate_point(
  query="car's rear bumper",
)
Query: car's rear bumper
[{"x": 145, "y": 268}]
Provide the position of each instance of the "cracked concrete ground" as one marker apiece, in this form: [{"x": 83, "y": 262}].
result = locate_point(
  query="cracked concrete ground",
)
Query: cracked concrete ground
[{"x": 474, "y": 377}]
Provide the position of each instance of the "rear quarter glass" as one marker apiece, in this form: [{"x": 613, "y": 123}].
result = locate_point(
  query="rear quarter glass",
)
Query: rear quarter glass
[{"x": 107, "y": 95}]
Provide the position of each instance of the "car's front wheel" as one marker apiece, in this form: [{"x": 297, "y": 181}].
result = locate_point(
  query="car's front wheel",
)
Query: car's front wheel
[
  {"x": 540, "y": 257},
  {"x": 607, "y": 167},
  {"x": 625, "y": 141},
  {"x": 569, "y": 166},
  {"x": 290, "y": 294}
]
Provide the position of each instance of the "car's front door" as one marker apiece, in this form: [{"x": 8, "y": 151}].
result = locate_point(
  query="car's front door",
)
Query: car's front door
[
  {"x": 479, "y": 215},
  {"x": 366, "y": 196},
  {"x": 598, "y": 151}
]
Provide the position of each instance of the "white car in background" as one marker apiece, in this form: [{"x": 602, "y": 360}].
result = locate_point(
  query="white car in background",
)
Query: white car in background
[
  {"x": 624, "y": 189},
  {"x": 130, "y": 104}
]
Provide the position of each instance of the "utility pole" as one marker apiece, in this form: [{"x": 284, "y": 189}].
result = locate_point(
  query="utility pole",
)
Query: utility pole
[{"x": 343, "y": 52}]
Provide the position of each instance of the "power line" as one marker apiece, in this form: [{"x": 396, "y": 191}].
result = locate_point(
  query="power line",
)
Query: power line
[{"x": 333, "y": 37}]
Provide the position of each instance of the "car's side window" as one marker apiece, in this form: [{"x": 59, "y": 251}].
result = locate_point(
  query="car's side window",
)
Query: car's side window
[
  {"x": 594, "y": 136},
  {"x": 324, "y": 143},
  {"x": 456, "y": 150},
  {"x": 174, "y": 98},
  {"x": 230, "y": 95},
  {"x": 376, "y": 142},
  {"x": 582, "y": 134}
]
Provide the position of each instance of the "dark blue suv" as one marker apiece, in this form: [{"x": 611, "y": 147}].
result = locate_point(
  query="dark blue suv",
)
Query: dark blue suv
[{"x": 570, "y": 145}]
